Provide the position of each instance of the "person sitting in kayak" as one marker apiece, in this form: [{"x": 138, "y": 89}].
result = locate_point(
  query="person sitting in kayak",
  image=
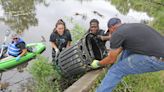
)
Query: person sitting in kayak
[
  {"x": 17, "y": 47},
  {"x": 60, "y": 38},
  {"x": 101, "y": 36}
]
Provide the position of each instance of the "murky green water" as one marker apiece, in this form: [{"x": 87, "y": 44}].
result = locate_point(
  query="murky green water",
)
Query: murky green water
[{"x": 35, "y": 19}]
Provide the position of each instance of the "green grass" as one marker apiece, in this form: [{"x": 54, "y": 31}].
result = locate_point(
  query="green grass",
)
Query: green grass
[{"x": 148, "y": 82}]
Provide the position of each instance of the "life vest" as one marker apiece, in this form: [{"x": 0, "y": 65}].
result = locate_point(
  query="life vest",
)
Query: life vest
[{"x": 13, "y": 50}]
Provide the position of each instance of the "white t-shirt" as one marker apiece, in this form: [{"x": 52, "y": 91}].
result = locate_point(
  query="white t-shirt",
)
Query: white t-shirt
[{"x": 107, "y": 45}]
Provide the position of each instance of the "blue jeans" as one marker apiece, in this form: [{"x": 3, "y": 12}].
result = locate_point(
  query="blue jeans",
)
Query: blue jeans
[{"x": 129, "y": 63}]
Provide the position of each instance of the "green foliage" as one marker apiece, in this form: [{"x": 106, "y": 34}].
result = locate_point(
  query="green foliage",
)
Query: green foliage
[
  {"x": 77, "y": 31},
  {"x": 148, "y": 82},
  {"x": 43, "y": 74}
]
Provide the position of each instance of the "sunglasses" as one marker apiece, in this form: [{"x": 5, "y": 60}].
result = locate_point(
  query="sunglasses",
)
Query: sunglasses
[{"x": 15, "y": 38}]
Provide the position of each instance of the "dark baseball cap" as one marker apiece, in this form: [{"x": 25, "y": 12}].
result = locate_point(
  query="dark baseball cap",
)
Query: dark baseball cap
[{"x": 113, "y": 21}]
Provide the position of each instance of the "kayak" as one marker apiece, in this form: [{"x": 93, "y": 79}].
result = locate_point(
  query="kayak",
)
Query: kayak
[{"x": 37, "y": 48}]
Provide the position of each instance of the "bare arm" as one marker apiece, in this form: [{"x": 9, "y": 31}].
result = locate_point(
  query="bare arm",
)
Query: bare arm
[
  {"x": 105, "y": 38},
  {"x": 23, "y": 52},
  {"x": 112, "y": 57},
  {"x": 68, "y": 44},
  {"x": 53, "y": 45}
]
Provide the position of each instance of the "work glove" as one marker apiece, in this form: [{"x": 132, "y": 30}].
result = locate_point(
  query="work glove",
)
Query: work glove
[
  {"x": 56, "y": 51},
  {"x": 18, "y": 58},
  {"x": 95, "y": 64}
]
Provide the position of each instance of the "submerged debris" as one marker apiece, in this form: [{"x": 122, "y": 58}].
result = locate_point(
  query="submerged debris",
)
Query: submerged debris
[
  {"x": 21, "y": 67},
  {"x": 82, "y": 15},
  {"x": 43, "y": 39},
  {"x": 97, "y": 13},
  {"x": 4, "y": 85}
]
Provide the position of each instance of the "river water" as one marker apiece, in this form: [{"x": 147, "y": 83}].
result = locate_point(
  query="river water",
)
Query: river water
[{"x": 35, "y": 19}]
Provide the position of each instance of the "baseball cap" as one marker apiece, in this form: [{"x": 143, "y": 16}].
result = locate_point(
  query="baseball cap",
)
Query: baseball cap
[{"x": 113, "y": 21}]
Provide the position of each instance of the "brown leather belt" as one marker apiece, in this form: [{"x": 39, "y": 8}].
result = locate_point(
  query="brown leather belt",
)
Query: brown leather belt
[{"x": 160, "y": 58}]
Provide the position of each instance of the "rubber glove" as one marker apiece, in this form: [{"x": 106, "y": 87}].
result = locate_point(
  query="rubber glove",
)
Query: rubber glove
[
  {"x": 18, "y": 58},
  {"x": 95, "y": 64},
  {"x": 56, "y": 51}
]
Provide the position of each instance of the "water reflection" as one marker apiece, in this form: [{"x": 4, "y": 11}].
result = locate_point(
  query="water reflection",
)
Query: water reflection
[
  {"x": 152, "y": 8},
  {"x": 19, "y": 15}
]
